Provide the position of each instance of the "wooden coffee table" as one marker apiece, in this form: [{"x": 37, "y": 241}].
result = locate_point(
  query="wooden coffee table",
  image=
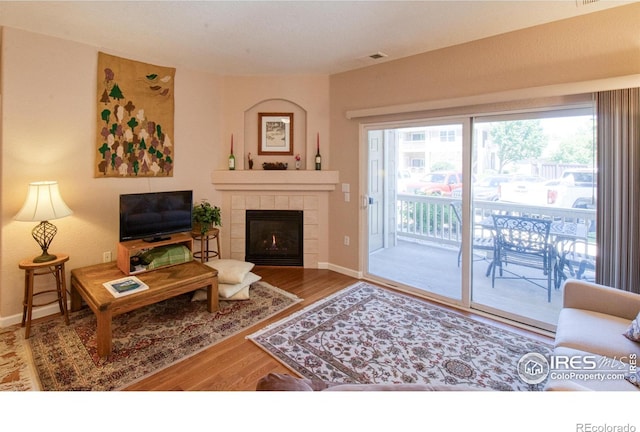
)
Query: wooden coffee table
[{"x": 164, "y": 283}]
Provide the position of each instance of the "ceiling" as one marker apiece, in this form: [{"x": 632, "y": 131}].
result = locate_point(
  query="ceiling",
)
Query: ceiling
[{"x": 281, "y": 37}]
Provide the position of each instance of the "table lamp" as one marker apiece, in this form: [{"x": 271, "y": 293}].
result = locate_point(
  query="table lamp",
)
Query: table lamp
[{"x": 43, "y": 204}]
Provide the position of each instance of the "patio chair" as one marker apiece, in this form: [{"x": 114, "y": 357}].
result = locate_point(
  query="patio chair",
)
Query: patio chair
[
  {"x": 482, "y": 240},
  {"x": 525, "y": 242},
  {"x": 575, "y": 260}
]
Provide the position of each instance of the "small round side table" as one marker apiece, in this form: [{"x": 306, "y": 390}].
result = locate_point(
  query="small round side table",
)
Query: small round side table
[
  {"x": 205, "y": 252},
  {"x": 33, "y": 269}
]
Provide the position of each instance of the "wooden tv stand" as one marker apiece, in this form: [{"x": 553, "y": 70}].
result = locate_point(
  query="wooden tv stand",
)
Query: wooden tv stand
[
  {"x": 164, "y": 283},
  {"x": 127, "y": 249}
]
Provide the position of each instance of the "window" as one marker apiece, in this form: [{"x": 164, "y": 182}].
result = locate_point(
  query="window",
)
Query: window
[
  {"x": 447, "y": 136},
  {"x": 415, "y": 136},
  {"x": 417, "y": 163}
]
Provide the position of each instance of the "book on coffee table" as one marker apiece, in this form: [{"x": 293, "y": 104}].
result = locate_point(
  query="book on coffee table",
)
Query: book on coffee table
[{"x": 125, "y": 286}]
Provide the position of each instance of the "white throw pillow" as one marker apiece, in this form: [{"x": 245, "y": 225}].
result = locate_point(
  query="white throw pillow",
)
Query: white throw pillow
[
  {"x": 230, "y": 271},
  {"x": 227, "y": 291},
  {"x": 199, "y": 295},
  {"x": 230, "y": 291},
  {"x": 633, "y": 378},
  {"x": 243, "y": 294},
  {"x": 633, "y": 332}
]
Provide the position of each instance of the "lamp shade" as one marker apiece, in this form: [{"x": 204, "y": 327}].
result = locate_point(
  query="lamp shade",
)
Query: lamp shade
[{"x": 43, "y": 203}]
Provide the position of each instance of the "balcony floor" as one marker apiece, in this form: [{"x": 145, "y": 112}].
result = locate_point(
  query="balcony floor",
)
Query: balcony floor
[{"x": 433, "y": 268}]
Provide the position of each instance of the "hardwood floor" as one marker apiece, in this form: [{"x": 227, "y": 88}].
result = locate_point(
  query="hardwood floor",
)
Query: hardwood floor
[{"x": 236, "y": 364}]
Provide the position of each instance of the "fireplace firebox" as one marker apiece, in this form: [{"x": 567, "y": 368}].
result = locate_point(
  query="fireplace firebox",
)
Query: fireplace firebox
[{"x": 274, "y": 237}]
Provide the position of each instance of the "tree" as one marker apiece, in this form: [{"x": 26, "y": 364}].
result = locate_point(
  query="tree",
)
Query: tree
[
  {"x": 133, "y": 123},
  {"x": 129, "y": 107},
  {"x": 578, "y": 148},
  {"x": 105, "y": 115},
  {"x": 518, "y": 140},
  {"x": 442, "y": 166},
  {"x": 116, "y": 93},
  {"x": 104, "y": 149},
  {"x": 105, "y": 97}
]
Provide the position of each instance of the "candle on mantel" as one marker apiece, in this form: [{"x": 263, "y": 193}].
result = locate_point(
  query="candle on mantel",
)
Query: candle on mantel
[
  {"x": 318, "y": 157},
  {"x": 232, "y": 158}
]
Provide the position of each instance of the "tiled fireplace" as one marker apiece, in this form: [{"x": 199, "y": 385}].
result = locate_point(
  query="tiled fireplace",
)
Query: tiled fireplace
[
  {"x": 274, "y": 237},
  {"x": 305, "y": 191},
  {"x": 308, "y": 204}
]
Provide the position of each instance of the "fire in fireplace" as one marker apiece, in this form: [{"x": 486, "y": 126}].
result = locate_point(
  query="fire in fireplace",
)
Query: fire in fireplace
[{"x": 274, "y": 237}]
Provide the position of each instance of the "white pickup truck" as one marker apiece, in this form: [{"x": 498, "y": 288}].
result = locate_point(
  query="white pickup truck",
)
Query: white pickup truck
[{"x": 576, "y": 188}]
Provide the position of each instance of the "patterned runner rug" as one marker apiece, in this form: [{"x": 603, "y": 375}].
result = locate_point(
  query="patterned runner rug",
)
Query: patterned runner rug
[
  {"x": 366, "y": 334},
  {"x": 16, "y": 369},
  {"x": 145, "y": 340}
]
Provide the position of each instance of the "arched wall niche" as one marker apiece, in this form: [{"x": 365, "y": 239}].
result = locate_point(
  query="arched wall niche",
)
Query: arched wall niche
[{"x": 251, "y": 130}]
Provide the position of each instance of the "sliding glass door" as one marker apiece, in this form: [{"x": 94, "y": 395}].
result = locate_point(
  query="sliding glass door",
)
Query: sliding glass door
[
  {"x": 434, "y": 187},
  {"x": 413, "y": 236},
  {"x": 536, "y": 173}
]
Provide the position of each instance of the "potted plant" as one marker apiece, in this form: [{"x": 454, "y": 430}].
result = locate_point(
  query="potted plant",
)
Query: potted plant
[{"x": 205, "y": 216}]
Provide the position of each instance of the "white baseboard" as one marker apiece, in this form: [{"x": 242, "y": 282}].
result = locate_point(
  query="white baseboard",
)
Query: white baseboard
[
  {"x": 41, "y": 312},
  {"x": 53, "y": 309},
  {"x": 345, "y": 271}
]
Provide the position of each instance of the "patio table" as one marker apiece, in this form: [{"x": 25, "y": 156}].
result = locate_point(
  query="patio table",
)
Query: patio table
[
  {"x": 564, "y": 230},
  {"x": 560, "y": 234}
]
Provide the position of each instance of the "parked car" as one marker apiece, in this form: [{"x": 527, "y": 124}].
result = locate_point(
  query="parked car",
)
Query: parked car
[
  {"x": 574, "y": 189},
  {"x": 438, "y": 183},
  {"x": 404, "y": 177},
  {"x": 524, "y": 190},
  {"x": 488, "y": 188}
]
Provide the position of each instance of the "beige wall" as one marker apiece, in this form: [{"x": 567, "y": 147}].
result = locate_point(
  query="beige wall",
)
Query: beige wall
[
  {"x": 596, "y": 46},
  {"x": 48, "y": 116},
  {"x": 307, "y": 97},
  {"x": 48, "y": 95}
]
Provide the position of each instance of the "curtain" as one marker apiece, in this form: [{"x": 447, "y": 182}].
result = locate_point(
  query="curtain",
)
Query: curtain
[{"x": 618, "y": 214}]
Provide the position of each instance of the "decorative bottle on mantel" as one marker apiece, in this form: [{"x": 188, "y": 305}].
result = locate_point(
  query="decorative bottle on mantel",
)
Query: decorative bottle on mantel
[
  {"x": 232, "y": 158},
  {"x": 318, "y": 157}
]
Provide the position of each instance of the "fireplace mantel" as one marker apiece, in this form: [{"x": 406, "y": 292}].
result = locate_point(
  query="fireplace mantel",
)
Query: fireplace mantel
[{"x": 269, "y": 180}]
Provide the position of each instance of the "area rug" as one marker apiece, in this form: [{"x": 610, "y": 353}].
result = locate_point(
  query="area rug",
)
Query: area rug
[
  {"x": 16, "y": 367},
  {"x": 369, "y": 335},
  {"x": 145, "y": 340}
]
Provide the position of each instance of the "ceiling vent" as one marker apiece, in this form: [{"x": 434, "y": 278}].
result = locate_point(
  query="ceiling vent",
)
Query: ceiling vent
[
  {"x": 585, "y": 2},
  {"x": 378, "y": 55}
]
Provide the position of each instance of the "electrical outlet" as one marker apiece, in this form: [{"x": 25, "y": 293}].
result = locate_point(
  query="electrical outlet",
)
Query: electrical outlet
[
  {"x": 106, "y": 256},
  {"x": 346, "y": 240}
]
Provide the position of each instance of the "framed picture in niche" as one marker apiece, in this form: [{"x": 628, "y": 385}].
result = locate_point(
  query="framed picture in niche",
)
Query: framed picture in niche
[{"x": 275, "y": 134}]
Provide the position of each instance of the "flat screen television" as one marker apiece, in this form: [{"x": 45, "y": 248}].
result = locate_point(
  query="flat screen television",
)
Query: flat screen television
[{"x": 154, "y": 216}]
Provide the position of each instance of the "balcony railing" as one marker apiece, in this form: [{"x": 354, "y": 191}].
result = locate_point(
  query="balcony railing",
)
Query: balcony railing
[{"x": 430, "y": 218}]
